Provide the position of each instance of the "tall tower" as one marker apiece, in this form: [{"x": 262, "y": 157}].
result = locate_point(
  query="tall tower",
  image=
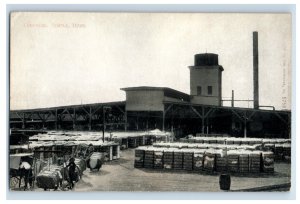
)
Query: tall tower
[
  {"x": 255, "y": 71},
  {"x": 206, "y": 80}
]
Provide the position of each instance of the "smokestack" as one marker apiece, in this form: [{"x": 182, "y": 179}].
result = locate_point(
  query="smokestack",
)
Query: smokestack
[{"x": 255, "y": 71}]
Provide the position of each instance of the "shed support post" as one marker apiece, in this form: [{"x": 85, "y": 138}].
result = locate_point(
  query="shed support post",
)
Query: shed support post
[
  {"x": 23, "y": 121},
  {"x": 202, "y": 119},
  {"x": 56, "y": 119},
  {"x": 163, "y": 121},
  {"x": 90, "y": 119},
  {"x": 245, "y": 127},
  {"x": 74, "y": 118},
  {"x": 125, "y": 118}
]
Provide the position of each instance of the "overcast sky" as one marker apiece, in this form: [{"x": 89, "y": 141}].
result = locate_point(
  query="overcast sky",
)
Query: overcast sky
[{"x": 72, "y": 58}]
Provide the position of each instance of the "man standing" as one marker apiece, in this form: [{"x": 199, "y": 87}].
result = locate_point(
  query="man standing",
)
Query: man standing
[
  {"x": 72, "y": 174},
  {"x": 26, "y": 172}
]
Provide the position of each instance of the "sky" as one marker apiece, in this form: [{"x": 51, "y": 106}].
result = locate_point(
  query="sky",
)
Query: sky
[{"x": 61, "y": 59}]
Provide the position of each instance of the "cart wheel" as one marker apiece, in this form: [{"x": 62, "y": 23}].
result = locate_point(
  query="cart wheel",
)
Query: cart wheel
[{"x": 14, "y": 182}]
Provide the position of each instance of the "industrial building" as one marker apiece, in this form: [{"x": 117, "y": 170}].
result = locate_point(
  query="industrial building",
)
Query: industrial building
[{"x": 164, "y": 108}]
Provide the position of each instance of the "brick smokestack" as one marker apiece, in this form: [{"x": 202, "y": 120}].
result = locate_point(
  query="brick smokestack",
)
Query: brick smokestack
[{"x": 255, "y": 71}]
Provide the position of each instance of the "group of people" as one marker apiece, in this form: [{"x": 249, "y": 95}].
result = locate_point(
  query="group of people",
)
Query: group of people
[
  {"x": 72, "y": 177},
  {"x": 26, "y": 173}
]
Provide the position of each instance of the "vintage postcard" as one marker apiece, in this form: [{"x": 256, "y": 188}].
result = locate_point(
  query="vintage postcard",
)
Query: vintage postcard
[{"x": 189, "y": 102}]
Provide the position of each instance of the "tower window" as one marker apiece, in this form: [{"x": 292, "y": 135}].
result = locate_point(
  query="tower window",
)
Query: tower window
[
  {"x": 209, "y": 90},
  {"x": 199, "y": 90}
]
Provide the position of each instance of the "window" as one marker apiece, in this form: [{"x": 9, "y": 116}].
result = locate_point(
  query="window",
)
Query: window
[
  {"x": 209, "y": 90},
  {"x": 199, "y": 90}
]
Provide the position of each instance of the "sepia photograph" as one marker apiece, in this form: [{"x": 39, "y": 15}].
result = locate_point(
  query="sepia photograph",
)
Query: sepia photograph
[{"x": 150, "y": 102}]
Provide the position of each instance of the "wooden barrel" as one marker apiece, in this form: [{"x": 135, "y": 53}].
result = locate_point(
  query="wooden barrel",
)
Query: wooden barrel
[{"x": 225, "y": 182}]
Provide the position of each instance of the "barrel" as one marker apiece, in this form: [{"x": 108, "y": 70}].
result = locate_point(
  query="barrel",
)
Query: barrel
[{"x": 224, "y": 181}]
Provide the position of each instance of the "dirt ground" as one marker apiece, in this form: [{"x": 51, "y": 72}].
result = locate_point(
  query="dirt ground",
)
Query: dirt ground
[{"x": 120, "y": 175}]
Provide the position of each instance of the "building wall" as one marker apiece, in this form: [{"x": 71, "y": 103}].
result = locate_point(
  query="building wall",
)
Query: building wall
[
  {"x": 144, "y": 100},
  {"x": 205, "y": 76},
  {"x": 205, "y": 100},
  {"x": 172, "y": 99}
]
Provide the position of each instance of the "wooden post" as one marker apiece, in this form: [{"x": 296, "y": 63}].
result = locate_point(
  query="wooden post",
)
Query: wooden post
[
  {"x": 56, "y": 119},
  {"x": 43, "y": 121},
  {"x": 110, "y": 153},
  {"x": 245, "y": 128},
  {"x": 118, "y": 151},
  {"x": 41, "y": 153},
  {"x": 207, "y": 126},
  {"x": 125, "y": 118},
  {"x": 74, "y": 119},
  {"x": 163, "y": 122},
  {"x": 53, "y": 154},
  {"x": 90, "y": 119},
  {"x": 245, "y": 125},
  {"x": 232, "y": 98},
  {"x": 103, "y": 122},
  {"x": 202, "y": 119},
  {"x": 137, "y": 122},
  {"x": 23, "y": 121}
]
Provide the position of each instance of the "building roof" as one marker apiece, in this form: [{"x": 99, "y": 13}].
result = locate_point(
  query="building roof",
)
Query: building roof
[
  {"x": 167, "y": 91},
  {"x": 151, "y": 88},
  {"x": 71, "y": 106}
]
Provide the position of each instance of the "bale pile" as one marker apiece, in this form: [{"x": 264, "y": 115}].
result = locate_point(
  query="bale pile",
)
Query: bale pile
[
  {"x": 221, "y": 162},
  {"x": 139, "y": 158},
  {"x": 254, "y": 162},
  {"x": 168, "y": 155},
  {"x": 188, "y": 160},
  {"x": 268, "y": 162},
  {"x": 233, "y": 161},
  {"x": 158, "y": 159},
  {"x": 95, "y": 161},
  {"x": 244, "y": 162},
  {"x": 279, "y": 146},
  {"x": 50, "y": 177},
  {"x": 178, "y": 159},
  {"x": 149, "y": 158},
  {"x": 205, "y": 160},
  {"x": 198, "y": 160},
  {"x": 209, "y": 162},
  {"x": 133, "y": 142}
]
